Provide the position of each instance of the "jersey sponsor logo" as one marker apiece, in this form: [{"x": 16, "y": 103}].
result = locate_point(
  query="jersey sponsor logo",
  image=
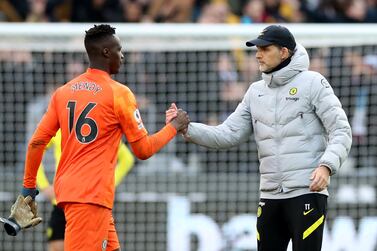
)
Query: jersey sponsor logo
[
  {"x": 292, "y": 92},
  {"x": 292, "y": 98},
  {"x": 86, "y": 86},
  {"x": 138, "y": 119}
]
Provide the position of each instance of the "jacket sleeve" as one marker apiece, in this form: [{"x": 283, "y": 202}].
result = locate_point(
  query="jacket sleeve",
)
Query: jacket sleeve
[
  {"x": 329, "y": 109},
  {"x": 235, "y": 130}
]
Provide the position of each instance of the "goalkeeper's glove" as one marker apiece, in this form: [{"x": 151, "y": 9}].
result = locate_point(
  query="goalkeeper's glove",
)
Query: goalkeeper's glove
[
  {"x": 31, "y": 192},
  {"x": 23, "y": 215}
]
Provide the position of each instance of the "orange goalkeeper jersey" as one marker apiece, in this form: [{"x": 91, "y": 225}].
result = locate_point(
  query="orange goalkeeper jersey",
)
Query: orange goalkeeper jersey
[{"x": 93, "y": 111}]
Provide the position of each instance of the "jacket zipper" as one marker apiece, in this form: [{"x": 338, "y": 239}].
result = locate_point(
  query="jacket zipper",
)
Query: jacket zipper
[{"x": 278, "y": 140}]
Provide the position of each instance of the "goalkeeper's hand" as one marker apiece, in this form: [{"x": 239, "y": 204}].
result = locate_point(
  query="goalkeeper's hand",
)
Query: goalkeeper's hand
[
  {"x": 24, "y": 212},
  {"x": 172, "y": 113},
  {"x": 23, "y": 215}
]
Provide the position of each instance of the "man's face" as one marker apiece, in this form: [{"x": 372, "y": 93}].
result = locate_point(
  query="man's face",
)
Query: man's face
[
  {"x": 116, "y": 56},
  {"x": 269, "y": 57}
]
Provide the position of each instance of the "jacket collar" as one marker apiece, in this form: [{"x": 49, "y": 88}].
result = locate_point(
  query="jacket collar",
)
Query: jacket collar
[{"x": 299, "y": 62}]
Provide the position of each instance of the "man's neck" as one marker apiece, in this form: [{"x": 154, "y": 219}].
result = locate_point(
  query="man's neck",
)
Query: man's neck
[
  {"x": 279, "y": 66},
  {"x": 99, "y": 66}
]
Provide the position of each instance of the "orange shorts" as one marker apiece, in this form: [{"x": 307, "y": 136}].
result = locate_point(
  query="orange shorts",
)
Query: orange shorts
[{"x": 89, "y": 227}]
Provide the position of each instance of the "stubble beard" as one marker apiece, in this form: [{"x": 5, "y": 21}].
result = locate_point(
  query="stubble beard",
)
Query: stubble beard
[{"x": 263, "y": 68}]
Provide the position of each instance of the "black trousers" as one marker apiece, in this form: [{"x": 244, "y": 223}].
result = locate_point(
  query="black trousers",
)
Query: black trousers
[{"x": 300, "y": 218}]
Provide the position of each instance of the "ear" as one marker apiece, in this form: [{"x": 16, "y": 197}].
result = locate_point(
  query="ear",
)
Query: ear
[
  {"x": 284, "y": 53},
  {"x": 106, "y": 52}
]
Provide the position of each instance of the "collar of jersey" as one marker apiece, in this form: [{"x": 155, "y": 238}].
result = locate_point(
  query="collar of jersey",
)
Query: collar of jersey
[{"x": 97, "y": 72}]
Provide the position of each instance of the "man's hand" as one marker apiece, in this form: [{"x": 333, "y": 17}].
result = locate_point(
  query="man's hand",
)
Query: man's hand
[
  {"x": 23, "y": 215},
  {"x": 181, "y": 121},
  {"x": 319, "y": 178},
  {"x": 171, "y": 113}
]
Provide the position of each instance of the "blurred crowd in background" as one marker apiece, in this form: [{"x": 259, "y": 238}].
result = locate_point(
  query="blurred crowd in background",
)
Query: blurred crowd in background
[
  {"x": 218, "y": 77},
  {"x": 189, "y": 11},
  {"x": 211, "y": 84}
]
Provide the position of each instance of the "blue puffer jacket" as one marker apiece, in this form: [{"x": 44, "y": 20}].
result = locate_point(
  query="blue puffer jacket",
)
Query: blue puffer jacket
[{"x": 298, "y": 124}]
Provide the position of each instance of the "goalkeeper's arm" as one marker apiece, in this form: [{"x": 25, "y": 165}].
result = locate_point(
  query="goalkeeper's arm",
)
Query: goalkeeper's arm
[{"x": 24, "y": 213}]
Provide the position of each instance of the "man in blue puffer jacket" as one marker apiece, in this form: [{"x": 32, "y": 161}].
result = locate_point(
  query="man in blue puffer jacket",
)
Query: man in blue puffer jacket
[{"x": 302, "y": 134}]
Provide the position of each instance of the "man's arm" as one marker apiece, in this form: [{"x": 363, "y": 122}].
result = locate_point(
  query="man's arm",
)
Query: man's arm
[
  {"x": 233, "y": 131},
  {"x": 329, "y": 109},
  {"x": 142, "y": 144},
  {"x": 45, "y": 131},
  {"x": 24, "y": 213},
  {"x": 150, "y": 144},
  {"x": 34, "y": 156}
]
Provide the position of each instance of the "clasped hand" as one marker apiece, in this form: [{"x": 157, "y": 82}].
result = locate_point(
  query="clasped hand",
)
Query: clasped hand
[{"x": 178, "y": 118}]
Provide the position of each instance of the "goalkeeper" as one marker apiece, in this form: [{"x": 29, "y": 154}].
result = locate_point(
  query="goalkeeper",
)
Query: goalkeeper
[
  {"x": 93, "y": 112},
  {"x": 56, "y": 224}
]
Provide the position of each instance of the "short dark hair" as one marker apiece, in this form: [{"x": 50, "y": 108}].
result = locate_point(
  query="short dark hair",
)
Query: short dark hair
[
  {"x": 97, "y": 33},
  {"x": 290, "y": 52}
]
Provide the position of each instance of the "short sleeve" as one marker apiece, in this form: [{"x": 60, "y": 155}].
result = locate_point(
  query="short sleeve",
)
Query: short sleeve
[{"x": 129, "y": 115}]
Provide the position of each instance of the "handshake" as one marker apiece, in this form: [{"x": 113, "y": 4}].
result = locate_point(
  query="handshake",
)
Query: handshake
[
  {"x": 178, "y": 118},
  {"x": 23, "y": 215}
]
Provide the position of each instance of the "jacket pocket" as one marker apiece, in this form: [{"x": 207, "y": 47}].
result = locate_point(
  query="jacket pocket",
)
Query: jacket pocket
[
  {"x": 308, "y": 128},
  {"x": 255, "y": 131}
]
